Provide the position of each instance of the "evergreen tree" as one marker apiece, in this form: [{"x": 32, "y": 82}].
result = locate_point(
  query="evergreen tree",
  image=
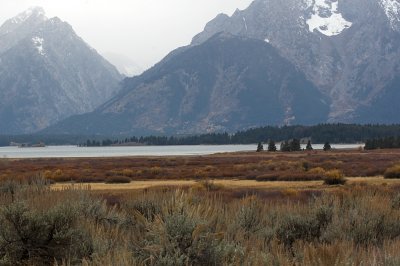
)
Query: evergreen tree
[
  {"x": 327, "y": 146},
  {"x": 271, "y": 146},
  {"x": 285, "y": 146},
  {"x": 295, "y": 145},
  {"x": 260, "y": 147},
  {"x": 309, "y": 146}
]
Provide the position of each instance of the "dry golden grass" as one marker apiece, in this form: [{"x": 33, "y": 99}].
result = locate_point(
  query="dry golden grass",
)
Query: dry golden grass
[
  {"x": 212, "y": 222},
  {"x": 230, "y": 184}
]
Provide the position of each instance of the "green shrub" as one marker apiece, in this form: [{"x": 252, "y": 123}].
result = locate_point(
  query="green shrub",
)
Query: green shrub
[
  {"x": 308, "y": 228},
  {"x": 392, "y": 172},
  {"x": 182, "y": 240},
  {"x": 369, "y": 231},
  {"x": 295, "y": 227},
  {"x": 32, "y": 237},
  {"x": 396, "y": 202},
  {"x": 249, "y": 215},
  {"x": 97, "y": 212},
  {"x": 10, "y": 187}
]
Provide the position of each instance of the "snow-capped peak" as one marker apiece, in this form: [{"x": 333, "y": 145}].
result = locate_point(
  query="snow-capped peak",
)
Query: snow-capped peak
[
  {"x": 392, "y": 10},
  {"x": 36, "y": 12},
  {"x": 326, "y": 18}
]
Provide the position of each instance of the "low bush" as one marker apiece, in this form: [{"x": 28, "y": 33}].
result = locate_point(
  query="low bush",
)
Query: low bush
[
  {"x": 128, "y": 172},
  {"x": 371, "y": 227},
  {"x": 294, "y": 227},
  {"x": 334, "y": 177},
  {"x": 182, "y": 240},
  {"x": 249, "y": 216},
  {"x": 40, "y": 238},
  {"x": 268, "y": 177},
  {"x": 56, "y": 176},
  {"x": 396, "y": 202},
  {"x": 118, "y": 180},
  {"x": 317, "y": 171},
  {"x": 210, "y": 185},
  {"x": 392, "y": 172}
]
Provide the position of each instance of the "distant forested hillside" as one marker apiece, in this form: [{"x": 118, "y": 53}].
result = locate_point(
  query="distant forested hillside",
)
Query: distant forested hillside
[{"x": 334, "y": 133}]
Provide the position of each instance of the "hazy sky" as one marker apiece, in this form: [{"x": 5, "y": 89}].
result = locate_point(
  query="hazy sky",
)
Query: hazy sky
[{"x": 144, "y": 30}]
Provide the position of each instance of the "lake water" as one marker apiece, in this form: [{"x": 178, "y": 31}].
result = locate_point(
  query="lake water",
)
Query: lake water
[{"x": 73, "y": 151}]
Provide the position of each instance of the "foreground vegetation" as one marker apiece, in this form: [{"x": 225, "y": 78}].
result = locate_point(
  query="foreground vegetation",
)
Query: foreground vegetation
[
  {"x": 250, "y": 214},
  {"x": 200, "y": 225}
]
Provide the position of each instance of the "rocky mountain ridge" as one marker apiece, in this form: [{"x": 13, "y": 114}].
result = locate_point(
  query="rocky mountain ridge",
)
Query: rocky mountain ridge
[
  {"x": 345, "y": 55},
  {"x": 48, "y": 73},
  {"x": 348, "y": 49},
  {"x": 226, "y": 83}
]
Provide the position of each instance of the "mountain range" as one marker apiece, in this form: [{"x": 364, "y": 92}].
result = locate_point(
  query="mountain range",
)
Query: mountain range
[
  {"x": 228, "y": 82},
  {"x": 48, "y": 73},
  {"x": 274, "y": 63}
]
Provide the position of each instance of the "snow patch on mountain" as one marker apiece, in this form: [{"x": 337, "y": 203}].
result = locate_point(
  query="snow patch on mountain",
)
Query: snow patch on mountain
[
  {"x": 38, "y": 42},
  {"x": 245, "y": 24},
  {"x": 392, "y": 10},
  {"x": 326, "y": 18}
]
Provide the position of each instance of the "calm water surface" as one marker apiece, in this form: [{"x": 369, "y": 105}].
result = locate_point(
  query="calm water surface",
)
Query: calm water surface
[{"x": 73, "y": 151}]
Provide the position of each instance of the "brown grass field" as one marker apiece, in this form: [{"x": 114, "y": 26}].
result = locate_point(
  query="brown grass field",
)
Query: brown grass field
[
  {"x": 301, "y": 166},
  {"x": 225, "y": 209}
]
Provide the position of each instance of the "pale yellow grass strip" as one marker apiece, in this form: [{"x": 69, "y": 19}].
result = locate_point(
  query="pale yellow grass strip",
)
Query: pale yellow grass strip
[{"x": 231, "y": 184}]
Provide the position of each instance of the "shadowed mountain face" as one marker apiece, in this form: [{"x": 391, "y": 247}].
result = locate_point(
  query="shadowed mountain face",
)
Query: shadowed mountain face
[
  {"x": 48, "y": 73},
  {"x": 226, "y": 83}
]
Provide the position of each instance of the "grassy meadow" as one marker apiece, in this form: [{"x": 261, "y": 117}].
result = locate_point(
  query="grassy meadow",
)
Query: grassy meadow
[{"x": 315, "y": 208}]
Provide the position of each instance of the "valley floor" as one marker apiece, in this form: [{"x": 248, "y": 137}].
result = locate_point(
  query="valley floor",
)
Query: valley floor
[
  {"x": 225, "y": 209},
  {"x": 264, "y": 166}
]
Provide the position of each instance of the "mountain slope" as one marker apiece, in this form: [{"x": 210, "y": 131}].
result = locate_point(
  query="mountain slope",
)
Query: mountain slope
[
  {"x": 352, "y": 58},
  {"x": 226, "y": 83},
  {"x": 48, "y": 73}
]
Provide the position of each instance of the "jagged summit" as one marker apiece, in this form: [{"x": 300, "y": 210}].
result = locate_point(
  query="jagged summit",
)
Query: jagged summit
[
  {"x": 47, "y": 73},
  {"x": 32, "y": 13}
]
